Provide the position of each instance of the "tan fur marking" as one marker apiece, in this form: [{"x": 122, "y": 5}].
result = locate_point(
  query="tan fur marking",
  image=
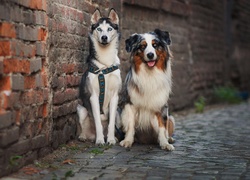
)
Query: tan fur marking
[
  {"x": 138, "y": 58},
  {"x": 162, "y": 58},
  {"x": 160, "y": 119}
]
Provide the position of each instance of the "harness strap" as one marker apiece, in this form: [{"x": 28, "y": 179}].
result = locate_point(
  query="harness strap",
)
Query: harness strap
[
  {"x": 101, "y": 72},
  {"x": 101, "y": 80}
]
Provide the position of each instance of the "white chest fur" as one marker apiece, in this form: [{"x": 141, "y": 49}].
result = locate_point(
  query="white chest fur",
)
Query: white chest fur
[
  {"x": 154, "y": 87},
  {"x": 112, "y": 86}
]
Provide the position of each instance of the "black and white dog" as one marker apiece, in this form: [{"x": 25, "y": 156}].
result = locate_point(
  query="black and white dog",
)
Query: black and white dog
[
  {"x": 147, "y": 88},
  {"x": 101, "y": 83}
]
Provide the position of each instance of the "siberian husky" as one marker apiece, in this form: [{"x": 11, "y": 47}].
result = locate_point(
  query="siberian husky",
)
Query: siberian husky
[{"x": 101, "y": 82}]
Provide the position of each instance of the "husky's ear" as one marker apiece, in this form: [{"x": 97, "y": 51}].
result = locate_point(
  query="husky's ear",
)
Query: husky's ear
[
  {"x": 113, "y": 16},
  {"x": 131, "y": 42},
  {"x": 163, "y": 36},
  {"x": 96, "y": 16}
]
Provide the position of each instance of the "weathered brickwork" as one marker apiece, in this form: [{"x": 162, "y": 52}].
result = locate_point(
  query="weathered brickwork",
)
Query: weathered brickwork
[
  {"x": 238, "y": 43},
  {"x": 24, "y": 91},
  {"x": 44, "y": 45}
]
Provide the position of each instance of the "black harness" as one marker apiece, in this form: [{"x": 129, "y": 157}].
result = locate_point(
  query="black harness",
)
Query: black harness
[{"x": 101, "y": 72}]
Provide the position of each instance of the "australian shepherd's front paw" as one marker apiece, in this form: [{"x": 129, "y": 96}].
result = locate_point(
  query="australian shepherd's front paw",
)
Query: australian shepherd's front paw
[
  {"x": 167, "y": 146},
  {"x": 82, "y": 138},
  {"x": 126, "y": 143}
]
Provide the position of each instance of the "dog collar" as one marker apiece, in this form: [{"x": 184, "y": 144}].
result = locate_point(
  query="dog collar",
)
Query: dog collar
[
  {"x": 94, "y": 69},
  {"x": 101, "y": 72}
]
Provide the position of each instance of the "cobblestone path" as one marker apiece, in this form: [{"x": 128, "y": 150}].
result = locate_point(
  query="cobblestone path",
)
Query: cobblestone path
[{"x": 212, "y": 145}]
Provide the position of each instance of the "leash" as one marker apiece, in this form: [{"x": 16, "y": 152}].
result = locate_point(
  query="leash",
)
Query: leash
[{"x": 101, "y": 72}]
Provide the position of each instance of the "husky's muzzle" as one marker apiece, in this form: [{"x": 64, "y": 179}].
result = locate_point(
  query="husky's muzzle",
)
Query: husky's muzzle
[{"x": 104, "y": 39}]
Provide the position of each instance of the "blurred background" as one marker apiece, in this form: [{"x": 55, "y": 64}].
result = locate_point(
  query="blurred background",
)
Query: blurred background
[{"x": 43, "y": 50}]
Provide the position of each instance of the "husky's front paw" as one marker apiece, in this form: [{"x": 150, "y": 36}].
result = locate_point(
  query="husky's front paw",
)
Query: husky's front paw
[
  {"x": 126, "y": 143},
  {"x": 99, "y": 142},
  {"x": 111, "y": 141},
  {"x": 167, "y": 146}
]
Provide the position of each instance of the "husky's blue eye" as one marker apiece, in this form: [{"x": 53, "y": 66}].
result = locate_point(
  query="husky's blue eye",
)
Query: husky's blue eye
[
  {"x": 110, "y": 29},
  {"x": 99, "y": 29}
]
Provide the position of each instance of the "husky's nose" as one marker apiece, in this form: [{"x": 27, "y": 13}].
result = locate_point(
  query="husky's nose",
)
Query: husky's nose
[
  {"x": 104, "y": 38},
  {"x": 150, "y": 55}
]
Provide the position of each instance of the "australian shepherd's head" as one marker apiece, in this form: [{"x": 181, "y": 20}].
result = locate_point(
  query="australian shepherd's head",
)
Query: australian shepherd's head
[{"x": 149, "y": 49}]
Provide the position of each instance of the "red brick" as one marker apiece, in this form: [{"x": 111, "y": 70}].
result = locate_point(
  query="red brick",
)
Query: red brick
[
  {"x": 16, "y": 66},
  {"x": 39, "y": 96},
  {"x": 5, "y": 48},
  {"x": 5, "y": 83},
  {"x": 66, "y": 68},
  {"x": 58, "y": 98},
  {"x": 58, "y": 82},
  {"x": 18, "y": 117},
  {"x": 42, "y": 111},
  {"x": 29, "y": 113},
  {"x": 68, "y": 95},
  {"x": 10, "y": 100},
  {"x": 45, "y": 79},
  {"x": 7, "y": 30},
  {"x": 42, "y": 34},
  {"x": 37, "y": 4},
  {"x": 44, "y": 64},
  {"x": 28, "y": 97},
  {"x": 29, "y": 82},
  {"x": 72, "y": 80}
]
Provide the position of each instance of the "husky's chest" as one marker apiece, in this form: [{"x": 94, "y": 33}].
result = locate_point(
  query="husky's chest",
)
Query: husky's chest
[{"x": 112, "y": 85}]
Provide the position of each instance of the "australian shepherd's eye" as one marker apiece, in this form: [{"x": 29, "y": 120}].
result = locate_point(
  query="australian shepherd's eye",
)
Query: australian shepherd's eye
[
  {"x": 142, "y": 47},
  {"x": 155, "y": 45}
]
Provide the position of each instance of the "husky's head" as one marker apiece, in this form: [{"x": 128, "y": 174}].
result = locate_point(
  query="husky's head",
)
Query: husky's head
[{"x": 103, "y": 29}]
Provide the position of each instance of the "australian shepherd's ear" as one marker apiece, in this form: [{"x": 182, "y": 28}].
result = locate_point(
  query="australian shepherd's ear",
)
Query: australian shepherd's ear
[
  {"x": 131, "y": 42},
  {"x": 163, "y": 36}
]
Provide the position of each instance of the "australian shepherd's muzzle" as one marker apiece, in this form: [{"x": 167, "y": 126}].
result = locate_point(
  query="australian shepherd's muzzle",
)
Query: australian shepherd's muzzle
[
  {"x": 101, "y": 82},
  {"x": 148, "y": 85}
]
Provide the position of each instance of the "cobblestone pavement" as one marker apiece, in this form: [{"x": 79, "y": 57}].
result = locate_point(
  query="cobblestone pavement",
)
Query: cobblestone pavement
[{"x": 212, "y": 145}]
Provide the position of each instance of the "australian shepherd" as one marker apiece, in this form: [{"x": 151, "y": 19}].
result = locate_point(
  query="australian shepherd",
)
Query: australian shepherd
[
  {"x": 147, "y": 88},
  {"x": 101, "y": 82}
]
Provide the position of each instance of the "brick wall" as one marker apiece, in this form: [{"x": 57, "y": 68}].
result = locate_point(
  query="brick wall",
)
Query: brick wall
[
  {"x": 43, "y": 49},
  {"x": 24, "y": 88},
  {"x": 238, "y": 45}
]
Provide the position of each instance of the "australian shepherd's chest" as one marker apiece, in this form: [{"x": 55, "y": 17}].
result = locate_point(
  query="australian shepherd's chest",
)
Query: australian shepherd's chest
[{"x": 148, "y": 85}]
